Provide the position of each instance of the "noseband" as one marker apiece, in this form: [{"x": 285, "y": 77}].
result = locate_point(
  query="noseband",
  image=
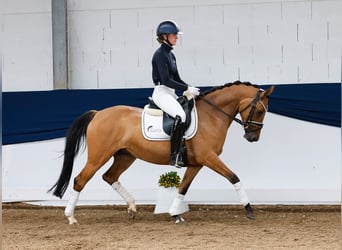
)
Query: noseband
[{"x": 249, "y": 121}]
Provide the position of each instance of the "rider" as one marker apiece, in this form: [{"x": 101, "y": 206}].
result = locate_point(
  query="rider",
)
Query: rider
[{"x": 167, "y": 80}]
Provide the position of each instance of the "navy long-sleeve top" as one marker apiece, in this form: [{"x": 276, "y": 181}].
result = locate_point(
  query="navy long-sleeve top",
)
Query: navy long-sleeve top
[{"x": 164, "y": 69}]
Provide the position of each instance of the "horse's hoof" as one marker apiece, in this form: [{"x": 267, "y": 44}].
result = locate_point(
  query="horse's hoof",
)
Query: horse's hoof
[
  {"x": 250, "y": 216},
  {"x": 249, "y": 212},
  {"x": 72, "y": 220},
  {"x": 179, "y": 219},
  {"x": 131, "y": 213}
]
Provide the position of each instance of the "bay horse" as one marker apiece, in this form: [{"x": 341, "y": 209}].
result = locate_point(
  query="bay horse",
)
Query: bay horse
[{"x": 117, "y": 132}]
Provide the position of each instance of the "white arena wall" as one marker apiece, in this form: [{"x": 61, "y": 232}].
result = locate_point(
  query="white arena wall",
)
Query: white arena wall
[
  {"x": 287, "y": 166},
  {"x": 110, "y": 46}
]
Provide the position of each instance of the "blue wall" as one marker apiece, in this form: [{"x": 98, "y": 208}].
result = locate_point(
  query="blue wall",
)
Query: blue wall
[{"x": 43, "y": 115}]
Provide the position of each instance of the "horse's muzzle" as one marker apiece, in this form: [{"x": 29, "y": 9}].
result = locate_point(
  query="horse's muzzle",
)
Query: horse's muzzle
[{"x": 251, "y": 136}]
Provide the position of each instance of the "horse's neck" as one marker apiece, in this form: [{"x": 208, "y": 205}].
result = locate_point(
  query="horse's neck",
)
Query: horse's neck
[
  {"x": 212, "y": 116},
  {"x": 223, "y": 106},
  {"x": 227, "y": 100}
]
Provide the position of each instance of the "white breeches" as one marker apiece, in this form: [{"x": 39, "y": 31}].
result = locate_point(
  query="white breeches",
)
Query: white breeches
[{"x": 166, "y": 99}]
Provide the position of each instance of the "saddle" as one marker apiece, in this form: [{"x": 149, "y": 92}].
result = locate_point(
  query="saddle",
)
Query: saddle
[{"x": 157, "y": 124}]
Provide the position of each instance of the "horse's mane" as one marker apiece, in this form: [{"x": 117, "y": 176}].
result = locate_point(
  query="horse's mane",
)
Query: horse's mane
[{"x": 228, "y": 85}]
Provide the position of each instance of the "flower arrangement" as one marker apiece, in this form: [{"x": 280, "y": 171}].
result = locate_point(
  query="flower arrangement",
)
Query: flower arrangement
[{"x": 170, "y": 179}]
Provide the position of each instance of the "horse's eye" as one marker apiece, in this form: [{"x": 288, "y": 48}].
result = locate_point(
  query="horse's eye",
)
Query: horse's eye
[{"x": 260, "y": 112}]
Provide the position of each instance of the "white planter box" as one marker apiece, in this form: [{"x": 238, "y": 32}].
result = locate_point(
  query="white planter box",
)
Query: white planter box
[{"x": 164, "y": 199}]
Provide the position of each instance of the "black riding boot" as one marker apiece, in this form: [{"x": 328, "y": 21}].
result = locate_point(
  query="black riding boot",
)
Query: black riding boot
[{"x": 177, "y": 143}]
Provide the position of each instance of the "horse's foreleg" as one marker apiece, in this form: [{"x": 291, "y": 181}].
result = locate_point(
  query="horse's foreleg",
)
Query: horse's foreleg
[
  {"x": 122, "y": 161},
  {"x": 188, "y": 177},
  {"x": 218, "y": 166},
  {"x": 178, "y": 205},
  {"x": 244, "y": 199}
]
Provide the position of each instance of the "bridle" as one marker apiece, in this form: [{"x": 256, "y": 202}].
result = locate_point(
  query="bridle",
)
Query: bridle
[{"x": 249, "y": 122}]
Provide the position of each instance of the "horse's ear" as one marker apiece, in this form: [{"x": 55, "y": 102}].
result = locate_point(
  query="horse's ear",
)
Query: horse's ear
[{"x": 267, "y": 92}]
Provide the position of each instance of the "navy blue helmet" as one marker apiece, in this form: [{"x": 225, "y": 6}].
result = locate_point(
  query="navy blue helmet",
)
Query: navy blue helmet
[{"x": 168, "y": 27}]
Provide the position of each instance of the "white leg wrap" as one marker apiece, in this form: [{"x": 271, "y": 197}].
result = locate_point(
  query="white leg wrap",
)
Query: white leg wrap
[
  {"x": 242, "y": 193},
  {"x": 123, "y": 193},
  {"x": 178, "y": 205},
  {"x": 69, "y": 209}
]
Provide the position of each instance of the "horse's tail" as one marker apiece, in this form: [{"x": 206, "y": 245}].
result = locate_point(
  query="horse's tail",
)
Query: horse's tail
[{"x": 74, "y": 140}]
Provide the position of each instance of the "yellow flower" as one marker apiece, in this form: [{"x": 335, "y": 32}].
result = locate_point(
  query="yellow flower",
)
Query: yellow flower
[{"x": 170, "y": 179}]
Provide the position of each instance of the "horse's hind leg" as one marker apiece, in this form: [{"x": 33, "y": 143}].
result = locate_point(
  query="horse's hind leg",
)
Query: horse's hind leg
[
  {"x": 79, "y": 182},
  {"x": 122, "y": 161}
]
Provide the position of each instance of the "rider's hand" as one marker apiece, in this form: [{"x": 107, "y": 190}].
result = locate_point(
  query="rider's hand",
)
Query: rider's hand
[{"x": 194, "y": 91}]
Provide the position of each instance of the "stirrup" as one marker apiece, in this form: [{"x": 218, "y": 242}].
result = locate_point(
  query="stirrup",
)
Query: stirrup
[{"x": 176, "y": 160}]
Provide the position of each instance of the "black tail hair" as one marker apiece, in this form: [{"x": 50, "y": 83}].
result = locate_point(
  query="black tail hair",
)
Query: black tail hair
[{"x": 74, "y": 140}]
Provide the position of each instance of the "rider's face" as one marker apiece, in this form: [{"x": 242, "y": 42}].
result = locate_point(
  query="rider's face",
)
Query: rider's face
[{"x": 173, "y": 39}]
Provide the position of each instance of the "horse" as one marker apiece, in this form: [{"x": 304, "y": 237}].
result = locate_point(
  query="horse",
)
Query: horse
[{"x": 117, "y": 132}]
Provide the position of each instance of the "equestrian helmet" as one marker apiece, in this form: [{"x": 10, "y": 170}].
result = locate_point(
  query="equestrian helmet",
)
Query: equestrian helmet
[{"x": 168, "y": 27}]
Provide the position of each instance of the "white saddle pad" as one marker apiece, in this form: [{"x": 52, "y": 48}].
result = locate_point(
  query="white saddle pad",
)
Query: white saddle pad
[{"x": 152, "y": 125}]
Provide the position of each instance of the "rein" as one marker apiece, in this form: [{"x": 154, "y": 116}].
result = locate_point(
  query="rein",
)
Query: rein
[
  {"x": 250, "y": 115},
  {"x": 221, "y": 110}
]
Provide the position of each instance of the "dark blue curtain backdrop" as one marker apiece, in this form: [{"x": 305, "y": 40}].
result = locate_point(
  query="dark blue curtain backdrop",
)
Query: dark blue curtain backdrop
[{"x": 43, "y": 115}]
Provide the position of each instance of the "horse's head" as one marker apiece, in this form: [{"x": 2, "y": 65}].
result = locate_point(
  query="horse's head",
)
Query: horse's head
[{"x": 252, "y": 112}]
